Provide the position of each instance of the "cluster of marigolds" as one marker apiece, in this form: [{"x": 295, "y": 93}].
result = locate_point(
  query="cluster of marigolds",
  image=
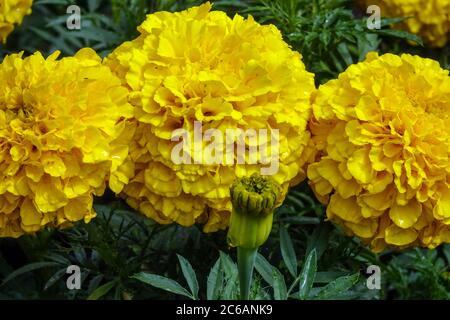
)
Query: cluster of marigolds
[{"x": 374, "y": 143}]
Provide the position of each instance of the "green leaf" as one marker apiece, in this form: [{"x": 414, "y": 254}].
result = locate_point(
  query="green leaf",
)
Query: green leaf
[
  {"x": 215, "y": 281},
  {"x": 288, "y": 252},
  {"x": 230, "y": 288},
  {"x": 228, "y": 265},
  {"x": 95, "y": 282},
  {"x": 189, "y": 275},
  {"x": 279, "y": 285},
  {"x": 446, "y": 249},
  {"x": 385, "y": 22},
  {"x": 60, "y": 259},
  {"x": 342, "y": 48},
  {"x": 93, "y": 5},
  {"x": 80, "y": 254},
  {"x": 102, "y": 290},
  {"x": 319, "y": 239},
  {"x": 59, "y": 43},
  {"x": 401, "y": 34},
  {"x": 264, "y": 268},
  {"x": 295, "y": 201},
  {"x": 28, "y": 268},
  {"x": 162, "y": 283},
  {"x": 231, "y": 275},
  {"x": 308, "y": 274},
  {"x": 326, "y": 277},
  {"x": 55, "y": 277},
  {"x": 303, "y": 220},
  {"x": 337, "y": 287},
  {"x": 272, "y": 276}
]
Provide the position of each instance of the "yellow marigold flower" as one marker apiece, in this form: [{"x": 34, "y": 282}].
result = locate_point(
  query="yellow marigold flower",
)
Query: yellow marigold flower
[
  {"x": 12, "y": 13},
  {"x": 201, "y": 65},
  {"x": 427, "y": 18},
  {"x": 383, "y": 140},
  {"x": 60, "y": 136}
]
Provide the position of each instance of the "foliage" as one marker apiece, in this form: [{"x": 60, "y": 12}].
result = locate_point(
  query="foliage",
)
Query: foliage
[
  {"x": 105, "y": 24},
  {"x": 120, "y": 253}
]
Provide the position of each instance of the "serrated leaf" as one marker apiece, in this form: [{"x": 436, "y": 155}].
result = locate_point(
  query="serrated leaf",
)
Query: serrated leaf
[
  {"x": 307, "y": 275},
  {"x": 401, "y": 34},
  {"x": 279, "y": 285},
  {"x": 337, "y": 287},
  {"x": 162, "y": 283},
  {"x": 80, "y": 254},
  {"x": 59, "y": 43},
  {"x": 53, "y": 257},
  {"x": 264, "y": 268},
  {"x": 325, "y": 277},
  {"x": 288, "y": 252},
  {"x": 228, "y": 265},
  {"x": 319, "y": 239},
  {"x": 28, "y": 268},
  {"x": 385, "y": 22},
  {"x": 102, "y": 290},
  {"x": 214, "y": 281},
  {"x": 230, "y": 287},
  {"x": 54, "y": 278},
  {"x": 95, "y": 282},
  {"x": 189, "y": 275},
  {"x": 342, "y": 48}
]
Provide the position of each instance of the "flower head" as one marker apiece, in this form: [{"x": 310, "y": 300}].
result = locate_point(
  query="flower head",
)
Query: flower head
[
  {"x": 426, "y": 18},
  {"x": 60, "y": 137},
  {"x": 254, "y": 199},
  {"x": 202, "y": 66},
  {"x": 12, "y": 13},
  {"x": 383, "y": 165},
  {"x": 255, "y": 195}
]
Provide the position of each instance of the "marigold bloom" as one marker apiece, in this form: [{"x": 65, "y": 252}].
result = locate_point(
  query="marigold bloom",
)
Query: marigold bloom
[
  {"x": 60, "y": 136},
  {"x": 382, "y": 134},
  {"x": 201, "y": 65},
  {"x": 12, "y": 13},
  {"x": 429, "y": 19}
]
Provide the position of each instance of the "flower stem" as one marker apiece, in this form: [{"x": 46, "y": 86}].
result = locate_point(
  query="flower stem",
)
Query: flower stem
[
  {"x": 254, "y": 199},
  {"x": 246, "y": 263}
]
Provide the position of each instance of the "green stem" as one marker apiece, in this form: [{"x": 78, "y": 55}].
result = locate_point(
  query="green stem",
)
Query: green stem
[{"x": 246, "y": 263}]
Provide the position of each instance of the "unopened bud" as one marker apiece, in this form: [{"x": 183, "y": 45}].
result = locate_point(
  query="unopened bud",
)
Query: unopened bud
[{"x": 254, "y": 199}]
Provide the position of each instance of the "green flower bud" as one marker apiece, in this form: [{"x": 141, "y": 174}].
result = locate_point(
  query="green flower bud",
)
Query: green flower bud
[{"x": 253, "y": 200}]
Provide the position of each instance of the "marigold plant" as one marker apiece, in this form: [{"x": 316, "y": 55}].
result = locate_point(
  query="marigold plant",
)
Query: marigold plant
[
  {"x": 60, "y": 136},
  {"x": 11, "y": 14},
  {"x": 427, "y": 18},
  {"x": 201, "y": 65},
  {"x": 382, "y": 135}
]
